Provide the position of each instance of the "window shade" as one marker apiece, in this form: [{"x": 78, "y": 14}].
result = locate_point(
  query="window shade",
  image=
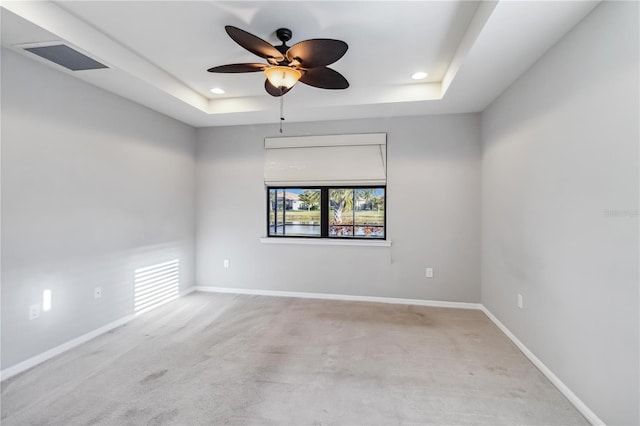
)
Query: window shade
[{"x": 359, "y": 159}]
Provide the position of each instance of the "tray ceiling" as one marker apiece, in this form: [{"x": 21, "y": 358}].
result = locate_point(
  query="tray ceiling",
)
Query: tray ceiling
[{"x": 158, "y": 52}]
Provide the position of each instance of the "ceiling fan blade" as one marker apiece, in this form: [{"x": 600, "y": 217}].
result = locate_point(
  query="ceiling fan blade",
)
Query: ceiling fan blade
[
  {"x": 324, "y": 78},
  {"x": 318, "y": 52},
  {"x": 273, "y": 90},
  {"x": 253, "y": 44},
  {"x": 234, "y": 68}
]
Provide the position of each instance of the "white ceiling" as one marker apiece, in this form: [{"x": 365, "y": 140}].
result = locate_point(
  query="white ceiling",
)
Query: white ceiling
[{"x": 159, "y": 51}]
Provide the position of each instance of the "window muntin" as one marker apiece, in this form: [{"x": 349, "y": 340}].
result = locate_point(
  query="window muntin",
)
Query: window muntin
[{"x": 327, "y": 212}]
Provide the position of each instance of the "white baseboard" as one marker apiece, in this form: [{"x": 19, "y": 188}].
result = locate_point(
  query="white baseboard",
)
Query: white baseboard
[
  {"x": 187, "y": 291},
  {"x": 564, "y": 389},
  {"x": 33, "y": 361},
  {"x": 329, "y": 296},
  {"x": 44, "y": 356}
]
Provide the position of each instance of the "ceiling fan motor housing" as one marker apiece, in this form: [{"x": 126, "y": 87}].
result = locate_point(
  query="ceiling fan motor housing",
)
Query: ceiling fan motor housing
[{"x": 284, "y": 35}]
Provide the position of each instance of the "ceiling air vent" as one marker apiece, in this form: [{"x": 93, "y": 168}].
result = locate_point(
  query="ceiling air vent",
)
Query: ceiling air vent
[{"x": 66, "y": 56}]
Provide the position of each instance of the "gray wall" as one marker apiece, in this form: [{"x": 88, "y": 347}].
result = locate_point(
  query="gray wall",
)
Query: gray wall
[
  {"x": 93, "y": 187},
  {"x": 433, "y": 197},
  {"x": 560, "y": 210}
]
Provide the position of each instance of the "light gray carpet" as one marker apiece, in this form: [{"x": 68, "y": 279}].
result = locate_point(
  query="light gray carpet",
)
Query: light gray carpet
[{"x": 229, "y": 359}]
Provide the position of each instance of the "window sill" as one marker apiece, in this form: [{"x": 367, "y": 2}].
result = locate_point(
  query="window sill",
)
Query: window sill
[{"x": 326, "y": 242}]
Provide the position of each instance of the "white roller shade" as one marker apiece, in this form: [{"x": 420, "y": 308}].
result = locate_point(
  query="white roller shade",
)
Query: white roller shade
[{"x": 359, "y": 159}]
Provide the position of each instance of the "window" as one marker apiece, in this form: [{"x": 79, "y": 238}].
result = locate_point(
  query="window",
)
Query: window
[
  {"x": 327, "y": 212},
  {"x": 327, "y": 186}
]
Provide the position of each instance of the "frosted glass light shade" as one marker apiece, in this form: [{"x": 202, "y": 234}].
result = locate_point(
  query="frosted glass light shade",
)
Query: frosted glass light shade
[{"x": 282, "y": 76}]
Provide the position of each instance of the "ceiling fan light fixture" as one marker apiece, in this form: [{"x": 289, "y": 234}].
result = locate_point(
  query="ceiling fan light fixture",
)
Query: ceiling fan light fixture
[
  {"x": 306, "y": 61},
  {"x": 282, "y": 77}
]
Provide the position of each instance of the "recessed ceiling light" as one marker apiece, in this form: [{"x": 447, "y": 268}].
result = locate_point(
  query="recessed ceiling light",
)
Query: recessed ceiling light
[
  {"x": 419, "y": 75},
  {"x": 217, "y": 91}
]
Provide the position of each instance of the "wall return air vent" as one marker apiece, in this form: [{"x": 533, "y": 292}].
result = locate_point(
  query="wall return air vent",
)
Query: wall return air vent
[{"x": 65, "y": 55}]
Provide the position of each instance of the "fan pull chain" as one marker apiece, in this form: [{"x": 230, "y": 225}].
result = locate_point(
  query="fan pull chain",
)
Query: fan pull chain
[{"x": 281, "y": 111}]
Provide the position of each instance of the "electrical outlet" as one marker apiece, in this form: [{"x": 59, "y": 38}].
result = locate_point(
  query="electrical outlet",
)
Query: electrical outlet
[
  {"x": 34, "y": 312},
  {"x": 97, "y": 292},
  {"x": 520, "y": 304},
  {"x": 226, "y": 263},
  {"x": 429, "y": 273}
]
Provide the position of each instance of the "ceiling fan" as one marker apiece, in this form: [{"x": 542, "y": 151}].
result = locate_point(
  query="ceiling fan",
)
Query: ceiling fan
[{"x": 305, "y": 61}]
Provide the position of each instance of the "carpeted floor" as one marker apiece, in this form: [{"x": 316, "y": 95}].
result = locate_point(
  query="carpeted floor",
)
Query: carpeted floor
[{"x": 219, "y": 359}]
